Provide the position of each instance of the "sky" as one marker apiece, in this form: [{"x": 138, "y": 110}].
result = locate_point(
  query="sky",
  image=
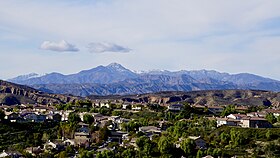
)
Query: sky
[{"x": 68, "y": 36}]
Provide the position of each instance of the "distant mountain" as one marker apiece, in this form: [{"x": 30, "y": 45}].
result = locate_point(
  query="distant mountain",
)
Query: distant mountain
[
  {"x": 116, "y": 79},
  {"x": 24, "y": 77},
  {"x": 101, "y": 74},
  {"x": 11, "y": 94}
]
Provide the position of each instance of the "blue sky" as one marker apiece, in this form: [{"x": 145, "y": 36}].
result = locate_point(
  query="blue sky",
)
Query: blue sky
[{"x": 68, "y": 36}]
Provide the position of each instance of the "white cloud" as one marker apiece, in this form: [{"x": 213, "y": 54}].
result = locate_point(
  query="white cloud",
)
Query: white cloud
[
  {"x": 61, "y": 46},
  {"x": 106, "y": 47}
]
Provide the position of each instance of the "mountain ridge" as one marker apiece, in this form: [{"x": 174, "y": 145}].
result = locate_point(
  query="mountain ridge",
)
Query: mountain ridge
[
  {"x": 115, "y": 79},
  {"x": 14, "y": 94}
]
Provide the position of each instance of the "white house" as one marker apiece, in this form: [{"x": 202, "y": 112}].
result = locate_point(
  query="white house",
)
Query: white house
[
  {"x": 236, "y": 116},
  {"x": 175, "y": 107}
]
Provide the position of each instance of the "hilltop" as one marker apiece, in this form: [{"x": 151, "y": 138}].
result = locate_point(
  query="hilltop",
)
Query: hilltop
[{"x": 11, "y": 94}]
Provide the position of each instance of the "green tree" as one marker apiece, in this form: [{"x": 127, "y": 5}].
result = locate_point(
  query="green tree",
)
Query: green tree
[
  {"x": 217, "y": 152},
  {"x": 105, "y": 154},
  {"x": 45, "y": 137},
  {"x": 74, "y": 118},
  {"x": 271, "y": 118},
  {"x": 128, "y": 153},
  {"x": 228, "y": 110},
  {"x": 165, "y": 145},
  {"x": 62, "y": 154},
  {"x": 102, "y": 134},
  {"x": 2, "y": 115},
  {"x": 188, "y": 146},
  {"x": 199, "y": 154},
  {"x": 89, "y": 119},
  {"x": 268, "y": 134}
]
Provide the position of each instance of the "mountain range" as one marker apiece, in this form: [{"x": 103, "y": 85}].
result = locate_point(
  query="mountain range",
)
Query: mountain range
[
  {"x": 14, "y": 94},
  {"x": 114, "y": 79}
]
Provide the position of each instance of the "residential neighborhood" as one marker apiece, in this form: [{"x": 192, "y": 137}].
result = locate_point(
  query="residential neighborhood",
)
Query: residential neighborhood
[{"x": 100, "y": 127}]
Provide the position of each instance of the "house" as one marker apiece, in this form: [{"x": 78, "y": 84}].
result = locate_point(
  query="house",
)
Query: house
[
  {"x": 215, "y": 109},
  {"x": 199, "y": 142},
  {"x": 125, "y": 106},
  {"x": 82, "y": 139},
  {"x": 257, "y": 114},
  {"x": 136, "y": 107},
  {"x": 29, "y": 116},
  {"x": 104, "y": 105},
  {"x": 12, "y": 154},
  {"x": 99, "y": 117},
  {"x": 175, "y": 107},
  {"x": 82, "y": 127},
  {"x": 65, "y": 114},
  {"x": 227, "y": 121},
  {"x": 275, "y": 112},
  {"x": 236, "y": 116},
  {"x": 12, "y": 116},
  {"x": 68, "y": 142},
  {"x": 55, "y": 117},
  {"x": 34, "y": 150},
  {"x": 118, "y": 136},
  {"x": 150, "y": 130},
  {"x": 255, "y": 122},
  {"x": 41, "y": 118},
  {"x": 32, "y": 117},
  {"x": 57, "y": 145},
  {"x": 40, "y": 109},
  {"x": 241, "y": 108}
]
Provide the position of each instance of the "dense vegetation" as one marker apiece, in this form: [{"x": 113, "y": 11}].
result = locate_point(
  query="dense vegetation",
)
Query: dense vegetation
[{"x": 173, "y": 142}]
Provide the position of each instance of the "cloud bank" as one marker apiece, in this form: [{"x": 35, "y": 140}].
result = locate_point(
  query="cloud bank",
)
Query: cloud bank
[
  {"x": 61, "y": 46},
  {"x": 106, "y": 47}
]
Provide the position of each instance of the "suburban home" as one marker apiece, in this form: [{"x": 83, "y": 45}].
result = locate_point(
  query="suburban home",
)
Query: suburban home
[
  {"x": 40, "y": 109},
  {"x": 175, "y": 107},
  {"x": 55, "y": 117},
  {"x": 215, "y": 109},
  {"x": 68, "y": 142},
  {"x": 104, "y": 105},
  {"x": 12, "y": 154},
  {"x": 208, "y": 156},
  {"x": 136, "y": 107},
  {"x": 82, "y": 139},
  {"x": 199, "y": 142},
  {"x": 150, "y": 130},
  {"x": 65, "y": 114},
  {"x": 125, "y": 106},
  {"x": 99, "y": 117},
  {"x": 32, "y": 117},
  {"x": 227, "y": 121},
  {"x": 241, "y": 108},
  {"x": 56, "y": 145},
  {"x": 118, "y": 136},
  {"x": 236, "y": 116},
  {"x": 29, "y": 116},
  {"x": 82, "y": 127},
  {"x": 12, "y": 116},
  {"x": 275, "y": 112},
  {"x": 257, "y": 114},
  {"x": 41, "y": 118},
  {"x": 34, "y": 150},
  {"x": 255, "y": 122}
]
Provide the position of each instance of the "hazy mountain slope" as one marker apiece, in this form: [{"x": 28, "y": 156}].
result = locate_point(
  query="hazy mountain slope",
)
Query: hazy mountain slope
[
  {"x": 206, "y": 97},
  {"x": 115, "y": 79},
  {"x": 11, "y": 94}
]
